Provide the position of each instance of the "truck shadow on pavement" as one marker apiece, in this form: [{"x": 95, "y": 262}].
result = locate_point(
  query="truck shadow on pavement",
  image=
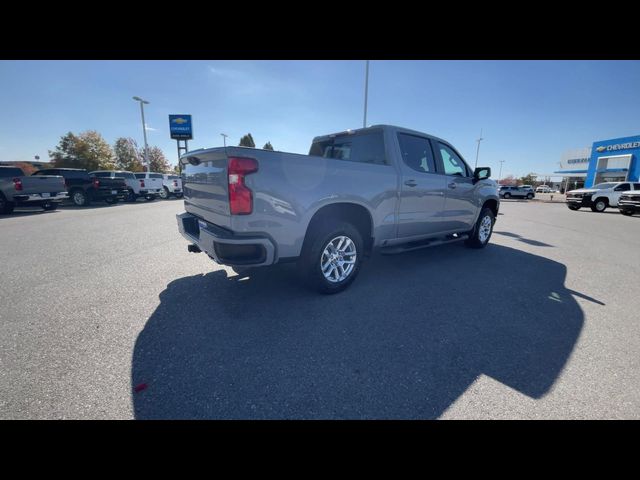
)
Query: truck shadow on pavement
[{"x": 404, "y": 341}]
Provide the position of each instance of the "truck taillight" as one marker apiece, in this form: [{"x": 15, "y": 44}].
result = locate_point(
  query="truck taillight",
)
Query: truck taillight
[
  {"x": 96, "y": 183},
  {"x": 17, "y": 183},
  {"x": 142, "y": 182},
  {"x": 240, "y": 196}
]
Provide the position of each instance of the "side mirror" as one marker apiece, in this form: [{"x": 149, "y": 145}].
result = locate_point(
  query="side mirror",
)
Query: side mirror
[{"x": 481, "y": 173}]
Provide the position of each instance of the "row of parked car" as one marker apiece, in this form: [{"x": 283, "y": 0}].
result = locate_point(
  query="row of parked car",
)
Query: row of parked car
[
  {"x": 625, "y": 196},
  {"x": 49, "y": 187}
]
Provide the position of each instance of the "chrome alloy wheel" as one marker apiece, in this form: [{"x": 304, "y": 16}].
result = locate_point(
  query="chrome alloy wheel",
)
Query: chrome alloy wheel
[
  {"x": 78, "y": 198},
  {"x": 338, "y": 259},
  {"x": 485, "y": 229}
]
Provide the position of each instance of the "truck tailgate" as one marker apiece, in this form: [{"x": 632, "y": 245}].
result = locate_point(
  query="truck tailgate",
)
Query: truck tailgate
[
  {"x": 205, "y": 185},
  {"x": 42, "y": 184}
]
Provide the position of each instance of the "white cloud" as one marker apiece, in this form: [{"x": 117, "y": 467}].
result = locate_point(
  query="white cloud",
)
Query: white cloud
[{"x": 149, "y": 129}]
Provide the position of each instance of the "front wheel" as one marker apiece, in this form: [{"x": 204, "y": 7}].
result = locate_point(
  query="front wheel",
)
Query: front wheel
[
  {"x": 481, "y": 233},
  {"x": 164, "y": 193},
  {"x": 599, "y": 206},
  {"x": 573, "y": 207},
  {"x": 332, "y": 258},
  {"x": 529, "y": 196},
  {"x": 506, "y": 196}
]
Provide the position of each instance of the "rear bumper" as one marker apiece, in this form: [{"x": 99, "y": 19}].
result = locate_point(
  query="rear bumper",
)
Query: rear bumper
[
  {"x": 37, "y": 198},
  {"x": 150, "y": 191},
  {"x": 105, "y": 194},
  {"x": 225, "y": 247}
]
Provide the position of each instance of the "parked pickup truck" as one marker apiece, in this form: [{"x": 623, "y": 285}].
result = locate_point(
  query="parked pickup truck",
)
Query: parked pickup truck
[
  {"x": 381, "y": 187},
  {"x": 150, "y": 185},
  {"x": 172, "y": 186},
  {"x": 16, "y": 189},
  {"x": 600, "y": 196},
  {"x": 84, "y": 188},
  {"x": 629, "y": 202},
  {"x": 133, "y": 184}
]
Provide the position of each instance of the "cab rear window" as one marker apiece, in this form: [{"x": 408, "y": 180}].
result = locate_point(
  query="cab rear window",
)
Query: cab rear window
[{"x": 365, "y": 148}]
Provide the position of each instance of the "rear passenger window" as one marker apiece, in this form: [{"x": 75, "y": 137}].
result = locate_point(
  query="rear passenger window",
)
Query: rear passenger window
[
  {"x": 140, "y": 175},
  {"x": 363, "y": 148},
  {"x": 155, "y": 175},
  {"x": 636, "y": 186},
  {"x": 416, "y": 153},
  {"x": 102, "y": 174}
]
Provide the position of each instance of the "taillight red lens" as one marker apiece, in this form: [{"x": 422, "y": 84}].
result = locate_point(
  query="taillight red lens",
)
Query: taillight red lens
[
  {"x": 17, "y": 183},
  {"x": 240, "y": 196},
  {"x": 142, "y": 183},
  {"x": 96, "y": 183}
]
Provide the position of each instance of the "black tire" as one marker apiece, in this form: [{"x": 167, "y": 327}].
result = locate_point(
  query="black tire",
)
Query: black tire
[
  {"x": 6, "y": 208},
  {"x": 628, "y": 213},
  {"x": 164, "y": 193},
  {"x": 529, "y": 196},
  {"x": 111, "y": 200},
  {"x": 600, "y": 205},
  {"x": 475, "y": 240},
  {"x": 149, "y": 198},
  {"x": 309, "y": 264},
  {"x": 506, "y": 196},
  {"x": 131, "y": 197},
  {"x": 79, "y": 198},
  {"x": 178, "y": 195},
  {"x": 573, "y": 207},
  {"x": 50, "y": 207}
]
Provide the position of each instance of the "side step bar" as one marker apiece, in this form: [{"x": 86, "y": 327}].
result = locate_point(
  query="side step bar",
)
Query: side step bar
[{"x": 432, "y": 242}]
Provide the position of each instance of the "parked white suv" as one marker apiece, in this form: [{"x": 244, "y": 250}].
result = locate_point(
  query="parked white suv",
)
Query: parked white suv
[
  {"x": 172, "y": 186},
  {"x": 150, "y": 184},
  {"x": 543, "y": 189},
  {"x": 600, "y": 196}
]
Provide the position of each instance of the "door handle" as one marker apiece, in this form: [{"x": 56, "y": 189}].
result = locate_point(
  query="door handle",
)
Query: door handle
[
  {"x": 452, "y": 185},
  {"x": 411, "y": 183}
]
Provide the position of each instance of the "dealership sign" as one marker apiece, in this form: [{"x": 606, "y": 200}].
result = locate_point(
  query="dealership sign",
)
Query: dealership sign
[
  {"x": 618, "y": 146},
  {"x": 180, "y": 127}
]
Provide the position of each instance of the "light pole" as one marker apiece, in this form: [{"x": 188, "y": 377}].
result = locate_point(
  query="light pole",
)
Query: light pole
[
  {"x": 366, "y": 95},
  {"x": 478, "y": 150},
  {"x": 224, "y": 138},
  {"x": 144, "y": 130},
  {"x": 500, "y": 174}
]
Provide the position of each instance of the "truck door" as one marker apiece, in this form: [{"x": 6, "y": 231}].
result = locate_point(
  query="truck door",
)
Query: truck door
[
  {"x": 460, "y": 200},
  {"x": 617, "y": 193},
  {"x": 422, "y": 189}
]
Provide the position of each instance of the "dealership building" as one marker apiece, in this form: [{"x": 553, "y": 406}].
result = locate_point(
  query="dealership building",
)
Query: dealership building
[{"x": 614, "y": 160}]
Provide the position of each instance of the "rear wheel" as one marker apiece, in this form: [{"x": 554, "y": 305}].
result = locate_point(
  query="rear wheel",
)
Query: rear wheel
[
  {"x": 481, "y": 233},
  {"x": 111, "y": 200},
  {"x": 164, "y": 193},
  {"x": 6, "y": 208},
  {"x": 600, "y": 205},
  {"x": 80, "y": 198},
  {"x": 628, "y": 213},
  {"x": 331, "y": 260},
  {"x": 149, "y": 198},
  {"x": 49, "y": 207},
  {"x": 529, "y": 196},
  {"x": 507, "y": 195},
  {"x": 573, "y": 207}
]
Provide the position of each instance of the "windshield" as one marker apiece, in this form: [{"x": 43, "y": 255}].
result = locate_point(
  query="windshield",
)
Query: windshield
[{"x": 602, "y": 186}]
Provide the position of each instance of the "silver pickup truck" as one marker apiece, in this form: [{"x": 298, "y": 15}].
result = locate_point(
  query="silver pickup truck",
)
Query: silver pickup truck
[
  {"x": 45, "y": 191},
  {"x": 382, "y": 187}
]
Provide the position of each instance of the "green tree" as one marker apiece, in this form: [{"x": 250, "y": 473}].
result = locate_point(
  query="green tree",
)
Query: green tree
[
  {"x": 157, "y": 161},
  {"x": 528, "y": 179},
  {"x": 247, "y": 141},
  {"x": 86, "y": 150},
  {"x": 127, "y": 155},
  {"x": 267, "y": 146}
]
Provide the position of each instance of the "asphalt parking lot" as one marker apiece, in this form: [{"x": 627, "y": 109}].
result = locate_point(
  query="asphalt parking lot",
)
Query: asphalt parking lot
[{"x": 105, "y": 315}]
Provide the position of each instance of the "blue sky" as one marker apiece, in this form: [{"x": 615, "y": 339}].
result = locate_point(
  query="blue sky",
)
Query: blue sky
[{"x": 530, "y": 111}]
